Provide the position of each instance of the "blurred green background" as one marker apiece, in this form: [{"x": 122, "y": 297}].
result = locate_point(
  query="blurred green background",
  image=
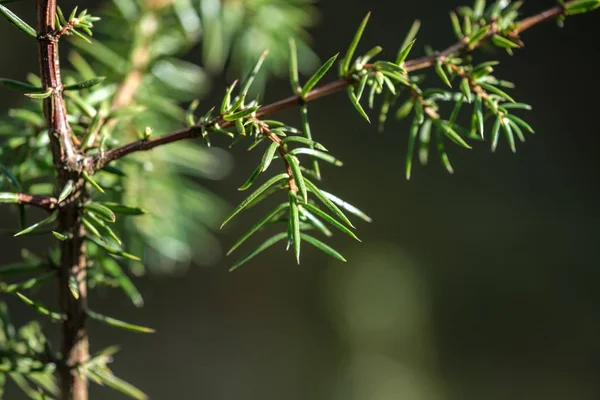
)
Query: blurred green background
[{"x": 481, "y": 285}]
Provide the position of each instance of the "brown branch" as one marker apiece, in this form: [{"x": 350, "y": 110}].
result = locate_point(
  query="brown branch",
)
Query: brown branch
[
  {"x": 463, "y": 45},
  {"x": 322, "y": 91},
  {"x": 542, "y": 17},
  {"x": 195, "y": 131},
  {"x": 65, "y": 29},
  {"x": 47, "y": 203},
  {"x": 63, "y": 149},
  {"x": 66, "y": 157},
  {"x": 147, "y": 144},
  {"x": 293, "y": 101},
  {"x": 75, "y": 345}
]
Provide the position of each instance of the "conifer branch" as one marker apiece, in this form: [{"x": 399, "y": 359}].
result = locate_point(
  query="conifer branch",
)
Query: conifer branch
[
  {"x": 461, "y": 46},
  {"x": 149, "y": 71}
]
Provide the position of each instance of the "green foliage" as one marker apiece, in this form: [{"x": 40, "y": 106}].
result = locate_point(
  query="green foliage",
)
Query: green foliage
[
  {"x": 148, "y": 209},
  {"x": 72, "y": 26},
  {"x": 236, "y": 32},
  {"x": 25, "y": 358},
  {"x": 18, "y": 22}
]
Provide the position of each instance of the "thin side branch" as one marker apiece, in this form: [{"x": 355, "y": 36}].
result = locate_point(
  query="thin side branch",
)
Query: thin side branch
[
  {"x": 322, "y": 91},
  {"x": 47, "y": 203},
  {"x": 282, "y": 152},
  {"x": 544, "y": 16},
  {"x": 463, "y": 46}
]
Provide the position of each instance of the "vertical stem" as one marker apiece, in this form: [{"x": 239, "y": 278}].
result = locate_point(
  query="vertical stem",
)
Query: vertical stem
[
  {"x": 75, "y": 346},
  {"x": 54, "y": 106},
  {"x": 73, "y": 303}
]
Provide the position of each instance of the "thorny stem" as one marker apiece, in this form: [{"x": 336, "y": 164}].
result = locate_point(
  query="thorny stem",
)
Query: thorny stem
[
  {"x": 73, "y": 386},
  {"x": 322, "y": 91}
]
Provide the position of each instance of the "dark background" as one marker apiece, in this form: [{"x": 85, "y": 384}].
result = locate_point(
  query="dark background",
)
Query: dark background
[{"x": 480, "y": 285}]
